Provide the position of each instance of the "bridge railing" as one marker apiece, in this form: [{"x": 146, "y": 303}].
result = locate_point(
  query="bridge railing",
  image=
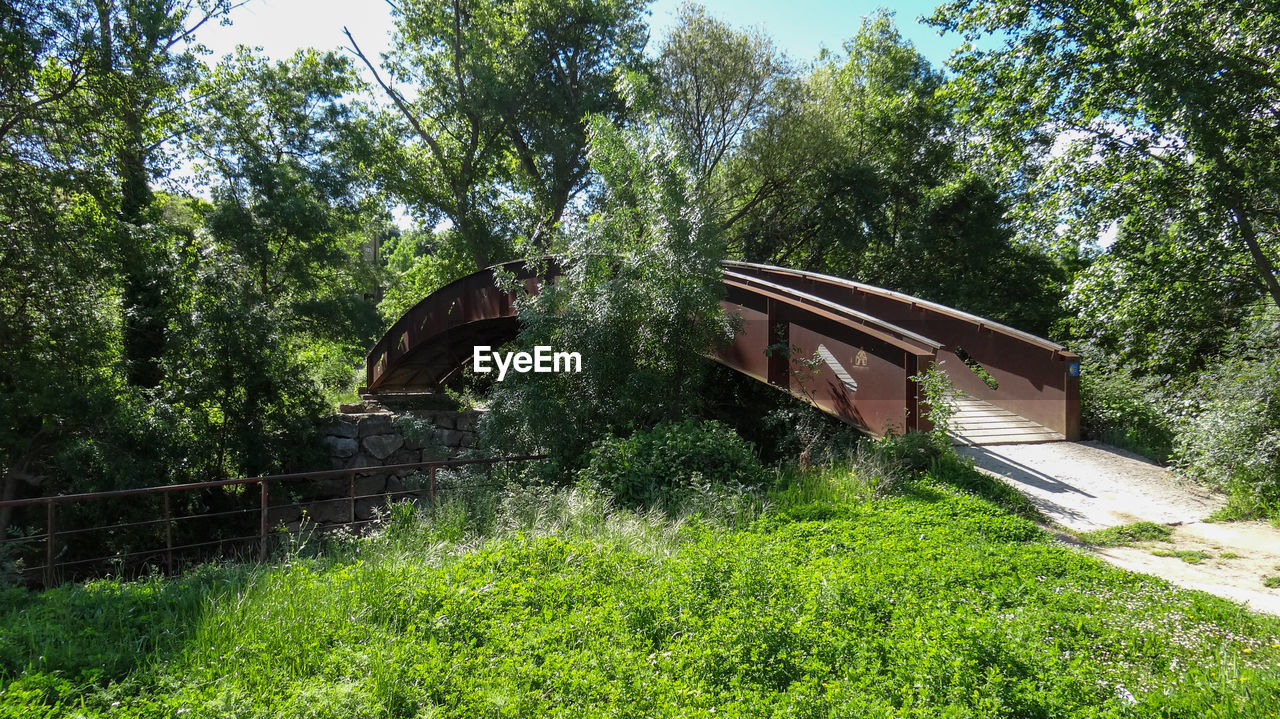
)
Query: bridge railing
[{"x": 155, "y": 528}]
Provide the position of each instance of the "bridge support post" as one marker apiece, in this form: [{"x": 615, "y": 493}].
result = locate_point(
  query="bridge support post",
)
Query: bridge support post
[
  {"x": 917, "y": 404},
  {"x": 780, "y": 344}
]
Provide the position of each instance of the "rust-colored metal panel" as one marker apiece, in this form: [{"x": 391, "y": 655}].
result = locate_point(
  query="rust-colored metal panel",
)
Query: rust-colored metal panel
[
  {"x": 1033, "y": 374},
  {"x": 439, "y": 334}
]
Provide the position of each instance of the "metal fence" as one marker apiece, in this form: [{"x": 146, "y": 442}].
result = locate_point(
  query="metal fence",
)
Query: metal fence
[{"x": 165, "y": 527}]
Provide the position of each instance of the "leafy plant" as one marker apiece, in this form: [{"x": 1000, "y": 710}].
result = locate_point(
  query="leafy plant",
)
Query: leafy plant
[
  {"x": 941, "y": 395},
  {"x": 1190, "y": 556},
  {"x": 1231, "y": 437},
  {"x": 1128, "y": 534},
  {"x": 1125, "y": 411},
  {"x": 650, "y": 467}
]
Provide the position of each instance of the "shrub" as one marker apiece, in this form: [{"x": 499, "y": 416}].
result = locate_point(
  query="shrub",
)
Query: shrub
[
  {"x": 657, "y": 465},
  {"x": 1231, "y": 437},
  {"x": 914, "y": 451},
  {"x": 1125, "y": 411}
]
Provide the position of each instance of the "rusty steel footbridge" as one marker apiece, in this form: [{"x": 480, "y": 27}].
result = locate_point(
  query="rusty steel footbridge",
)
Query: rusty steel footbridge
[{"x": 852, "y": 350}]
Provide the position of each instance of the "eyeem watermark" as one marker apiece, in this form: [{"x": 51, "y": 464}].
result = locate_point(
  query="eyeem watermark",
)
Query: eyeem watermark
[{"x": 542, "y": 360}]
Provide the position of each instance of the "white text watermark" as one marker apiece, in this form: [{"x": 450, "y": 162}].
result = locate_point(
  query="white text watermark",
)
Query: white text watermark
[{"x": 542, "y": 360}]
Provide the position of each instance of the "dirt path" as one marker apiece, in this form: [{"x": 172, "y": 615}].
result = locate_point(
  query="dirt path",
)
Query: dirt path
[{"x": 1090, "y": 485}]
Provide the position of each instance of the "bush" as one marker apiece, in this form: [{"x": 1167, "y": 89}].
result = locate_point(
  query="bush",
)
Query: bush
[
  {"x": 1126, "y": 411},
  {"x": 655, "y": 466},
  {"x": 1231, "y": 437},
  {"x": 914, "y": 451}
]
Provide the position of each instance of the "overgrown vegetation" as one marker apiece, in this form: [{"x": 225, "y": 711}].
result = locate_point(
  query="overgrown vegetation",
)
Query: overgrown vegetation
[
  {"x": 195, "y": 255},
  {"x": 847, "y": 595},
  {"x": 198, "y": 251}
]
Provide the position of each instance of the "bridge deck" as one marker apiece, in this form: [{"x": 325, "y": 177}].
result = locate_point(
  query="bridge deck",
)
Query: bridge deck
[{"x": 978, "y": 423}]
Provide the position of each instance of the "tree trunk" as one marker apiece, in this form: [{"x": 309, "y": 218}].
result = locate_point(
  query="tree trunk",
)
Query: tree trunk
[{"x": 1261, "y": 263}]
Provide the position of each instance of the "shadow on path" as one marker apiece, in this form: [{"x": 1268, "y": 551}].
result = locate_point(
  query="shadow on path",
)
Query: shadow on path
[{"x": 1020, "y": 473}]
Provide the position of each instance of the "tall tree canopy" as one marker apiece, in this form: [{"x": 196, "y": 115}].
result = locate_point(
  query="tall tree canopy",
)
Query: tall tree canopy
[
  {"x": 1157, "y": 116},
  {"x": 490, "y": 104},
  {"x": 864, "y": 172}
]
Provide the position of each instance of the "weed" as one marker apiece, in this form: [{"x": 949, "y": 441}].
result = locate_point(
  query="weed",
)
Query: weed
[
  {"x": 1190, "y": 556},
  {"x": 1127, "y": 535}
]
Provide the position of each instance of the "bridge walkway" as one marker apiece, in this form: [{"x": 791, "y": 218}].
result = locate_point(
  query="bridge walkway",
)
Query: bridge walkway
[{"x": 979, "y": 423}]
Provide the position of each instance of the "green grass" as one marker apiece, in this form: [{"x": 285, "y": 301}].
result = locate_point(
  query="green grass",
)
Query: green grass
[
  {"x": 932, "y": 601},
  {"x": 1272, "y": 582},
  {"x": 1229, "y": 555},
  {"x": 1127, "y": 535},
  {"x": 1190, "y": 556}
]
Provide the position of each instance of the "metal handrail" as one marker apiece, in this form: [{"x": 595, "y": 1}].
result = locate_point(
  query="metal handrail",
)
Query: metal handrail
[{"x": 264, "y": 509}]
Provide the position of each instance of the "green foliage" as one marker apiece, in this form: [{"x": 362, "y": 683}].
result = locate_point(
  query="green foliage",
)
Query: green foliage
[
  {"x": 1128, "y": 534},
  {"x": 860, "y": 171},
  {"x": 913, "y": 451},
  {"x": 493, "y": 135},
  {"x": 1230, "y": 438},
  {"x": 1125, "y": 411},
  {"x": 717, "y": 84},
  {"x": 1148, "y": 307},
  {"x": 1150, "y": 118},
  {"x": 941, "y": 395},
  {"x": 1190, "y": 556},
  {"x": 417, "y": 271},
  {"x": 638, "y": 297},
  {"x": 650, "y": 467},
  {"x": 928, "y": 604}
]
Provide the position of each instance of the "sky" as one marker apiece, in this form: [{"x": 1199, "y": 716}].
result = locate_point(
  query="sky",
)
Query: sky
[{"x": 800, "y": 28}]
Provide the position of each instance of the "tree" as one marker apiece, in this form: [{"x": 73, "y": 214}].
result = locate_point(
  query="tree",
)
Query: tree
[
  {"x": 639, "y": 299},
  {"x": 493, "y": 135},
  {"x": 865, "y": 174},
  {"x": 277, "y": 291},
  {"x": 1164, "y": 116},
  {"x": 716, "y": 84},
  {"x": 140, "y": 65}
]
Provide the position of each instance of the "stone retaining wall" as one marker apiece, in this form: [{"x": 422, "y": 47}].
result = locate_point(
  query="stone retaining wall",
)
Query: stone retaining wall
[{"x": 369, "y": 437}]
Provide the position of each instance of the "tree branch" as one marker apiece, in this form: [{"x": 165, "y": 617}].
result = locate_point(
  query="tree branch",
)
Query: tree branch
[{"x": 399, "y": 101}]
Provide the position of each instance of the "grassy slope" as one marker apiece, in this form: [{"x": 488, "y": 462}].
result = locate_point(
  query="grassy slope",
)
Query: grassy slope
[{"x": 932, "y": 603}]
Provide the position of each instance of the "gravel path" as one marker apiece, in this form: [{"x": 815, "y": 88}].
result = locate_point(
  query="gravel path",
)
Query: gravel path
[{"x": 1090, "y": 485}]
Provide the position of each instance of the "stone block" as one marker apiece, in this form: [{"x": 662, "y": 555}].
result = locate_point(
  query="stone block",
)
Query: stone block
[
  {"x": 286, "y": 515},
  {"x": 467, "y": 421},
  {"x": 338, "y": 446},
  {"x": 381, "y": 446},
  {"x": 373, "y": 424},
  {"x": 329, "y": 511},
  {"x": 405, "y": 456},
  {"x": 451, "y": 438},
  {"x": 468, "y": 440},
  {"x": 373, "y": 484},
  {"x": 446, "y": 420},
  {"x": 352, "y": 408},
  {"x": 341, "y": 427}
]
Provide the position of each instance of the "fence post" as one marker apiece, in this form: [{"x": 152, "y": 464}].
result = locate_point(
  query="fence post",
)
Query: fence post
[
  {"x": 50, "y": 545},
  {"x": 431, "y": 486},
  {"x": 351, "y": 494},
  {"x": 262, "y": 550},
  {"x": 168, "y": 533}
]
